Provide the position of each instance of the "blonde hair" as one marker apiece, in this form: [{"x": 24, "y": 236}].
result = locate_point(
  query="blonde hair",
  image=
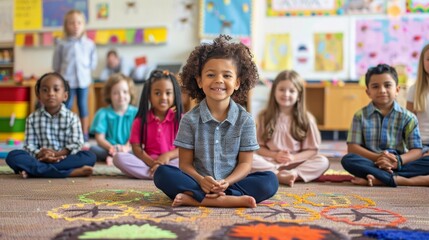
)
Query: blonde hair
[
  {"x": 300, "y": 120},
  {"x": 112, "y": 81},
  {"x": 67, "y": 15},
  {"x": 422, "y": 83}
]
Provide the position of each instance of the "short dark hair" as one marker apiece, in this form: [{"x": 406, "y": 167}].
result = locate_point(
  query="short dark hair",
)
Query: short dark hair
[
  {"x": 112, "y": 52},
  {"x": 65, "y": 82},
  {"x": 380, "y": 69}
]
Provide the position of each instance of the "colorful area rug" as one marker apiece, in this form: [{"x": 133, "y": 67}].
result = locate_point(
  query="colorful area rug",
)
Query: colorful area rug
[{"x": 285, "y": 216}]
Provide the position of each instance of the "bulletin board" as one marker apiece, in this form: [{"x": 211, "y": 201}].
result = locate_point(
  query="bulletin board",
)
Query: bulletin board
[
  {"x": 39, "y": 22},
  {"x": 326, "y": 48},
  {"x": 328, "y": 38},
  {"x": 225, "y": 17}
]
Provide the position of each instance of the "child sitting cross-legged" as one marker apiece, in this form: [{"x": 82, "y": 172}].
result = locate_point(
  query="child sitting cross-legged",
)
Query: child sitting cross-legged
[
  {"x": 53, "y": 136},
  {"x": 112, "y": 124},
  {"x": 383, "y": 143}
]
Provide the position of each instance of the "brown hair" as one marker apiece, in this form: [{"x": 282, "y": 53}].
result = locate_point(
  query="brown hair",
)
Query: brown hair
[
  {"x": 300, "y": 120},
  {"x": 422, "y": 83},
  {"x": 112, "y": 81}
]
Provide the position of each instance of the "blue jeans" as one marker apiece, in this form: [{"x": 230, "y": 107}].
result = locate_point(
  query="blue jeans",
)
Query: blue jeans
[
  {"x": 21, "y": 160},
  {"x": 361, "y": 167},
  {"x": 82, "y": 99},
  {"x": 100, "y": 152},
  {"x": 172, "y": 181}
]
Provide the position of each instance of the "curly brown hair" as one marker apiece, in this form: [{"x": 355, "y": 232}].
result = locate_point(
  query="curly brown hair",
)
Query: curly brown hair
[{"x": 221, "y": 48}]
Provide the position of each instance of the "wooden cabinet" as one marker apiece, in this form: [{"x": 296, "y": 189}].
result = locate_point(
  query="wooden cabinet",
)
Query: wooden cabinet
[
  {"x": 334, "y": 106},
  {"x": 6, "y": 61}
]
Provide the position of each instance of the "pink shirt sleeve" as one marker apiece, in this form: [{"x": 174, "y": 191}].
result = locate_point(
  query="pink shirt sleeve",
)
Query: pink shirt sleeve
[{"x": 135, "y": 131}]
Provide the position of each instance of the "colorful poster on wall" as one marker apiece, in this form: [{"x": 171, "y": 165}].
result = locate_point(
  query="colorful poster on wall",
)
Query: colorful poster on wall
[
  {"x": 27, "y": 15},
  {"x": 328, "y": 52},
  {"x": 365, "y": 6},
  {"x": 232, "y": 17},
  {"x": 417, "y": 6},
  {"x": 304, "y": 8},
  {"x": 54, "y": 11},
  {"x": 392, "y": 41},
  {"x": 277, "y": 52},
  {"x": 102, "y": 11}
]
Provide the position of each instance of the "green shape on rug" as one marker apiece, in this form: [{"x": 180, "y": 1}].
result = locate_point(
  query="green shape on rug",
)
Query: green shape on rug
[
  {"x": 128, "y": 231},
  {"x": 6, "y": 170}
]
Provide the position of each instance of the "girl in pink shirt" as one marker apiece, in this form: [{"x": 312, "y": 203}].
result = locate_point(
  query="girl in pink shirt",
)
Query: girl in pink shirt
[
  {"x": 154, "y": 129},
  {"x": 287, "y": 134}
]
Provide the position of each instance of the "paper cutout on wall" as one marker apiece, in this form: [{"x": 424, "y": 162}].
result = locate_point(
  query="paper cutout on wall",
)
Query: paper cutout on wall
[
  {"x": 304, "y": 8},
  {"x": 302, "y": 57},
  {"x": 91, "y": 34},
  {"x": 19, "y": 39},
  {"x": 27, "y": 15},
  {"x": 130, "y": 35},
  {"x": 364, "y": 7},
  {"x": 277, "y": 52},
  {"x": 225, "y": 17},
  {"x": 102, "y": 11},
  {"x": 100, "y": 37},
  {"x": 394, "y": 41},
  {"x": 140, "y": 61},
  {"x": 395, "y": 8},
  {"x": 155, "y": 35},
  {"x": 117, "y": 36},
  {"x": 47, "y": 39},
  {"x": 417, "y": 6},
  {"x": 328, "y": 51},
  {"x": 138, "y": 38}
]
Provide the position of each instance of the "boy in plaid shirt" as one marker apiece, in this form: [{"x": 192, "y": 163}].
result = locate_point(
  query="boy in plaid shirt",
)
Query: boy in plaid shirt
[
  {"x": 384, "y": 144},
  {"x": 53, "y": 136}
]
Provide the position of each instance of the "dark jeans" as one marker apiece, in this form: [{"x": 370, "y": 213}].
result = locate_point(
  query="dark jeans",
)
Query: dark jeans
[
  {"x": 21, "y": 160},
  {"x": 82, "y": 99},
  {"x": 172, "y": 181},
  {"x": 361, "y": 167},
  {"x": 100, "y": 152}
]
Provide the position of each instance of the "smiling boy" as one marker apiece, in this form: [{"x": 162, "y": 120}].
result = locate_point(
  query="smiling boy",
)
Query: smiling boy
[{"x": 384, "y": 144}]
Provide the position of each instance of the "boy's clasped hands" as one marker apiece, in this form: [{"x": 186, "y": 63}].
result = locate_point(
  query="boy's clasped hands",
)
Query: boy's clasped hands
[
  {"x": 213, "y": 188},
  {"x": 387, "y": 161},
  {"x": 49, "y": 156}
]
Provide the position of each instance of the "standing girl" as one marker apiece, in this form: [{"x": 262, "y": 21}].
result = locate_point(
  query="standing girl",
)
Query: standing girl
[
  {"x": 74, "y": 58},
  {"x": 53, "y": 136},
  {"x": 154, "y": 128},
  {"x": 418, "y": 98},
  {"x": 216, "y": 139},
  {"x": 112, "y": 124},
  {"x": 288, "y": 134}
]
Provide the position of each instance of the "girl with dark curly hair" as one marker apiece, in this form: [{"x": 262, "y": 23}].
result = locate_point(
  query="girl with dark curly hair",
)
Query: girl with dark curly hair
[{"x": 216, "y": 139}]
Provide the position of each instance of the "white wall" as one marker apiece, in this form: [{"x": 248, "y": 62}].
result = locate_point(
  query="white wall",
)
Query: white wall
[{"x": 182, "y": 38}]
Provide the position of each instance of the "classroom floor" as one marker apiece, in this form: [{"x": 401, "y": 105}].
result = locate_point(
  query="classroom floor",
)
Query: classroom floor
[{"x": 114, "y": 206}]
